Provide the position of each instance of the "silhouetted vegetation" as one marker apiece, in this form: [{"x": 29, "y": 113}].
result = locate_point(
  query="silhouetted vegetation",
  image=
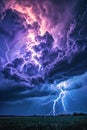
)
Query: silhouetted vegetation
[
  {"x": 79, "y": 114},
  {"x": 77, "y": 121}
]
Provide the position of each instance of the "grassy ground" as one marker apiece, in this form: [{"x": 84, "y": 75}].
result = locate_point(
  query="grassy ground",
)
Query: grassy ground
[{"x": 44, "y": 123}]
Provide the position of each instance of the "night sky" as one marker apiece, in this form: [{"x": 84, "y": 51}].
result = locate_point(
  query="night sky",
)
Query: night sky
[{"x": 43, "y": 57}]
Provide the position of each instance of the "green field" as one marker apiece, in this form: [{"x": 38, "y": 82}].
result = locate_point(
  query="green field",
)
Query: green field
[{"x": 44, "y": 123}]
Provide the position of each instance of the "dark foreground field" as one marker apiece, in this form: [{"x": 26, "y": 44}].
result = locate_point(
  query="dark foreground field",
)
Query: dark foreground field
[{"x": 44, "y": 123}]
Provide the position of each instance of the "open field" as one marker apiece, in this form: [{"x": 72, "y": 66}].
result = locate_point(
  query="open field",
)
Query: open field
[{"x": 44, "y": 123}]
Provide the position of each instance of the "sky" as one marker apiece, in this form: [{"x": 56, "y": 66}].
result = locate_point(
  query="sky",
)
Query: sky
[{"x": 43, "y": 57}]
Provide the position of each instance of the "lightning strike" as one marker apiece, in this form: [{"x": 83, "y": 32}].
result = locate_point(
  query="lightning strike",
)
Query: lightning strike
[
  {"x": 60, "y": 98},
  {"x": 7, "y": 52}
]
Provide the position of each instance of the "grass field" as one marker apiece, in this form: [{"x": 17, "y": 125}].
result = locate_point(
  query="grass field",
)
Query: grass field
[{"x": 44, "y": 123}]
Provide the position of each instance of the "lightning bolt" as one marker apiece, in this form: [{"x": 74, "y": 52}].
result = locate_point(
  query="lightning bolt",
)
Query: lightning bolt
[
  {"x": 7, "y": 52},
  {"x": 60, "y": 96},
  {"x": 34, "y": 54}
]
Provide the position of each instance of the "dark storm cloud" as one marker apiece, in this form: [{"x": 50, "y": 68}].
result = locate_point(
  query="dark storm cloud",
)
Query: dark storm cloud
[
  {"x": 12, "y": 90},
  {"x": 48, "y": 54},
  {"x": 74, "y": 60},
  {"x": 13, "y": 74},
  {"x": 30, "y": 76},
  {"x": 17, "y": 62},
  {"x": 67, "y": 67},
  {"x": 11, "y": 20},
  {"x": 58, "y": 64}
]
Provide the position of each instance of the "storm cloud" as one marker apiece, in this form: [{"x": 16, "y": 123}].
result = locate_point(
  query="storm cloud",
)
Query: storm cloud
[{"x": 42, "y": 43}]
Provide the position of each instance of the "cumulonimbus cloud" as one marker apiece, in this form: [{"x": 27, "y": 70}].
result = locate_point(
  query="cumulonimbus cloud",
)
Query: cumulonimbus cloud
[{"x": 40, "y": 45}]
